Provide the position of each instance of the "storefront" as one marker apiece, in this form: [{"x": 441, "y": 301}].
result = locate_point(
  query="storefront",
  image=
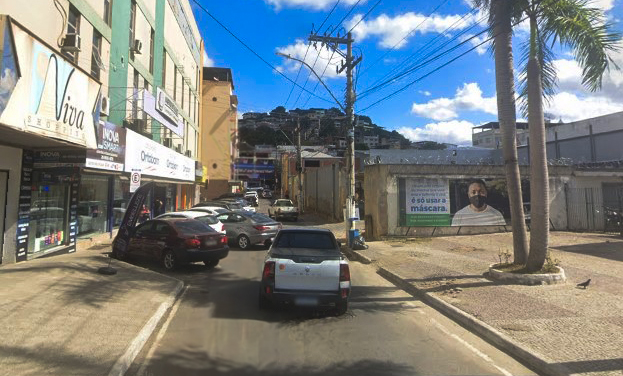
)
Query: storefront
[
  {"x": 173, "y": 173},
  {"x": 46, "y": 125}
]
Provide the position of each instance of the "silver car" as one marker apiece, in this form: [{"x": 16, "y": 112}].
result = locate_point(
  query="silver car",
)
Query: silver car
[{"x": 247, "y": 229}]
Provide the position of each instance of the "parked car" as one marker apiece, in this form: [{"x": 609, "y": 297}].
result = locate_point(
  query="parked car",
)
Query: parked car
[
  {"x": 175, "y": 241},
  {"x": 230, "y": 195},
  {"x": 305, "y": 267},
  {"x": 252, "y": 198},
  {"x": 267, "y": 193},
  {"x": 283, "y": 208},
  {"x": 246, "y": 229},
  {"x": 246, "y": 205},
  {"x": 207, "y": 218},
  {"x": 212, "y": 210},
  {"x": 229, "y": 205}
]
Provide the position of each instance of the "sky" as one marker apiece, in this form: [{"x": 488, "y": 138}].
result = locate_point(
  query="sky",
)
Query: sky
[{"x": 403, "y": 44}]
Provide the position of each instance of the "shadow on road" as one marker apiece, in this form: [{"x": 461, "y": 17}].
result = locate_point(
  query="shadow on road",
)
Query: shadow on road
[
  {"x": 190, "y": 362},
  {"x": 608, "y": 250}
]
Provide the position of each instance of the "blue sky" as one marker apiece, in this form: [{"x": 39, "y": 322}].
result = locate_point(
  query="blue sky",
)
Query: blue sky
[{"x": 442, "y": 107}]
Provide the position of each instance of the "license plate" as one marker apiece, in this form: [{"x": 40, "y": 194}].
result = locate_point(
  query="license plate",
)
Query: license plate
[
  {"x": 305, "y": 301},
  {"x": 210, "y": 243}
]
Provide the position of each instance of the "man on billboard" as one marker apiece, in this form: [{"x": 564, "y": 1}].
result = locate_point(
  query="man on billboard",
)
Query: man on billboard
[{"x": 478, "y": 213}]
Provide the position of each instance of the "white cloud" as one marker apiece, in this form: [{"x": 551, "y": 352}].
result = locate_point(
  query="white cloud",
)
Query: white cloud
[
  {"x": 455, "y": 132},
  {"x": 425, "y": 92},
  {"x": 207, "y": 62},
  {"x": 571, "y": 107},
  {"x": 392, "y": 30},
  {"x": 318, "y": 64},
  {"x": 606, "y": 5},
  {"x": 467, "y": 98},
  {"x": 307, "y": 4},
  {"x": 476, "y": 41}
]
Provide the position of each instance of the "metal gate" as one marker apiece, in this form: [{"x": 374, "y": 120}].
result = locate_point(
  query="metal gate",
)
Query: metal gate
[
  {"x": 613, "y": 207},
  {"x": 595, "y": 209}
]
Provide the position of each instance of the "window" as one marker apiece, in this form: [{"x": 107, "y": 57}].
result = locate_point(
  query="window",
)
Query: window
[
  {"x": 132, "y": 24},
  {"x": 174, "y": 83},
  {"x": 96, "y": 54},
  {"x": 135, "y": 95},
  {"x": 108, "y": 12},
  {"x": 164, "y": 69},
  {"x": 182, "y": 92},
  {"x": 151, "y": 52},
  {"x": 73, "y": 27}
]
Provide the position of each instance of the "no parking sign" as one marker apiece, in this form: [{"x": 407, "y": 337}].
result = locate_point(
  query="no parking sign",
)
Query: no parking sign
[{"x": 135, "y": 180}]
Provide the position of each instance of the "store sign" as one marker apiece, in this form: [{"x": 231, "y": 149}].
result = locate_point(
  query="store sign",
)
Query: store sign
[
  {"x": 122, "y": 240},
  {"x": 155, "y": 159},
  {"x": 164, "y": 109},
  {"x": 428, "y": 202},
  {"x": 110, "y": 152},
  {"x": 59, "y": 158},
  {"x": 8, "y": 64},
  {"x": 54, "y": 99}
]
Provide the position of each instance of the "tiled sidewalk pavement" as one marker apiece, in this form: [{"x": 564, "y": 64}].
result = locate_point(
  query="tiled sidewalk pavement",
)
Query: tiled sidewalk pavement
[{"x": 580, "y": 330}]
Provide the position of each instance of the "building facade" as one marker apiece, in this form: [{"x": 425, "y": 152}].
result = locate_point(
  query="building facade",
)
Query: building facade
[
  {"x": 219, "y": 130},
  {"x": 90, "y": 91}
]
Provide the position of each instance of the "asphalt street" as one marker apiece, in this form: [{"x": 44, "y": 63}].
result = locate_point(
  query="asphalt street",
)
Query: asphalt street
[{"x": 216, "y": 328}]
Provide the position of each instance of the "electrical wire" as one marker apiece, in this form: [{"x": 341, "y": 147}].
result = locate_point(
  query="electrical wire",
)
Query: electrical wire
[
  {"x": 344, "y": 18},
  {"x": 253, "y": 51},
  {"x": 366, "y": 15},
  {"x": 436, "y": 69}
]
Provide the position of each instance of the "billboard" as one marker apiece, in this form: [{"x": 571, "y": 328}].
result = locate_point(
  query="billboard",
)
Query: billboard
[{"x": 455, "y": 202}]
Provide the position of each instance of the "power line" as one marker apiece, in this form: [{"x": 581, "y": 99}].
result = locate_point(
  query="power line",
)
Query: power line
[
  {"x": 253, "y": 51},
  {"x": 307, "y": 50},
  {"x": 403, "y": 38},
  {"x": 366, "y": 15},
  {"x": 343, "y": 18},
  {"x": 436, "y": 69}
]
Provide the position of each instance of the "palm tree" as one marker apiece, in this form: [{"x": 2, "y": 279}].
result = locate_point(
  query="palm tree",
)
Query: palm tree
[
  {"x": 500, "y": 14},
  {"x": 570, "y": 23}
]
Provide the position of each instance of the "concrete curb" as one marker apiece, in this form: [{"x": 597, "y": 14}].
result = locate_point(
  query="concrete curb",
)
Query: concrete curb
[
  {"x": 124, "y": 362},
  {"x": 528, "y": 357},
  {"x": 356, "y": 256}
]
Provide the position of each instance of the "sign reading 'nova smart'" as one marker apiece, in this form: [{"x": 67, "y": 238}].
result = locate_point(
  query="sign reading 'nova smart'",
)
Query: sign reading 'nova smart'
[{"x": 156, "y": 160}]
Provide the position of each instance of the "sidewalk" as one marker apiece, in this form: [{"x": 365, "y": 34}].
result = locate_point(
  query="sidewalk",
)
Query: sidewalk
[
  {"x": 58, "y": 316},
  {"x": 555, "y": 329}
]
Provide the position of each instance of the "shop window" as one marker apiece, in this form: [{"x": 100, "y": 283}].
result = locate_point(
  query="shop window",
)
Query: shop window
[
  {"x": 92, "y": 209},
  {"x": 48, "y": 214},
  {"x": 121, "y": 198}
]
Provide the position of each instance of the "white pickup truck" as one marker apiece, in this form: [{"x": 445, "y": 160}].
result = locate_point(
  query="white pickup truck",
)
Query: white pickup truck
[
  {"x": 305, "y": 267},
  {"x": 283, "y": 208}
]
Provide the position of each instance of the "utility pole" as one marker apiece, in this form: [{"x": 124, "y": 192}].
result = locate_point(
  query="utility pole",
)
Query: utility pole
[
  {"x": 348, "y": 65},
  {"x": 299, "y": 163}
]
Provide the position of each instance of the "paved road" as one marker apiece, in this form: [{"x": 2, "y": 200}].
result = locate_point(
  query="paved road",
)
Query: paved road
[{"x": 216, "y": 328}]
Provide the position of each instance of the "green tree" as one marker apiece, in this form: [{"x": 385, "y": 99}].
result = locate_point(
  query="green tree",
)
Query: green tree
[
  {"x": 501, "y": 14},
  {"x": 574, "y": 24}
]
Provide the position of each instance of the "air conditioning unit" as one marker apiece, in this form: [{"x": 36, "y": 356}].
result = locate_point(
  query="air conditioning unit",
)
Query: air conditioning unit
[
  {"x": 137, "y": 47},
  {"x": 167, "y": 142},
  {"x": 189, "y": 153},
  {"x": 105, "y": 106},
  {"x": 178, "y": 148},
  {"x": 71, "y": 42}
]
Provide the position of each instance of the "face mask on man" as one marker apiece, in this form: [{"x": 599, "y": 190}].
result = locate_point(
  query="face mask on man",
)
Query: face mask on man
[{"x": 478, "y": 201}]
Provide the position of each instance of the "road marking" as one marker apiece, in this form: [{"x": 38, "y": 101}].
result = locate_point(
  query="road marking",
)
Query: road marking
[
  {"x": 122, "y": 364},
  {"x": 469, "y": 346},
  {"x": 161, "y": 332}
]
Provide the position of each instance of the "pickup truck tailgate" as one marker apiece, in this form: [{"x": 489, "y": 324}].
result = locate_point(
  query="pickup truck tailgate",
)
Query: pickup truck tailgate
[{"x": 311, "y": 276}]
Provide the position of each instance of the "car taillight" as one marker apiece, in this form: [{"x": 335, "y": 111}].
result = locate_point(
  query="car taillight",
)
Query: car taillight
[
  {"x": 193, "y": 243},
  {"x": 261, "y": 228},
  {"x": 344, "y": 273},
  {"x": 269, "y": 270},
  {"x": 223, "y": 240}
]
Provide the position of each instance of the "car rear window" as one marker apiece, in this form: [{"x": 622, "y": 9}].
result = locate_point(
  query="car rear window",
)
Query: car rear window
[
  {"x": 235, "y": 206},
  {"x": 305, "y": 240},
  {"x": 192, "y": 227},
  {"x": 261, "y": 218},
  {"x": 284, "y": 203},
  {"x": 208, "y": 219}
]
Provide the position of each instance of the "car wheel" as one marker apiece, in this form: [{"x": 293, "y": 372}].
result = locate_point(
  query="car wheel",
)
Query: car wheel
[
  {"x": 263, "y": 302},
  {"x": 120, "y": 255},
  {"x": 341, "y": 307},
  {"x": 169, "y": 261},
  {"x": 244, "y": 242},
  {"x": 211, "y": 263}
]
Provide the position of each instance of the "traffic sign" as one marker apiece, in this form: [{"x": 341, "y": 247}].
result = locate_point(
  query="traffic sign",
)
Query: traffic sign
[{"x": 135, "y": 180}]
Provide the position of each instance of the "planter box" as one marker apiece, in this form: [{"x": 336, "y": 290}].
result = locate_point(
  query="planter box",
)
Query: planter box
[{"x": 528, "y": 279}]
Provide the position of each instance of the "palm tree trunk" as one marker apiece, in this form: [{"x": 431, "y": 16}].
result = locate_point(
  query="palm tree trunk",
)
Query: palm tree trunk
[
  {"x": 505, "y": 90},
  {"x": 539, "y": 181}
]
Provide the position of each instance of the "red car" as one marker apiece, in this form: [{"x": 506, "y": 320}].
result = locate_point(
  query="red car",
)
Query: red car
[{"x": 175, "y": 241}]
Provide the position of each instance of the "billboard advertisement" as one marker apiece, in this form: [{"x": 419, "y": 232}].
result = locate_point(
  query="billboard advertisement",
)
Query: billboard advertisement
[{"x": 455, "y": 202}]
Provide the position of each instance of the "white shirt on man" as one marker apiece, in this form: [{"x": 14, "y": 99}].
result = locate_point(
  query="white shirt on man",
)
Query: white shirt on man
[{"x": 469, "y": 217}]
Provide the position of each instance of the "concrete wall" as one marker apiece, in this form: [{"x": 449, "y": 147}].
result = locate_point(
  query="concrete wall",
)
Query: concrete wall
[
  {"x": 11, "y": 161},
  {"x": 382, "y": 197}
]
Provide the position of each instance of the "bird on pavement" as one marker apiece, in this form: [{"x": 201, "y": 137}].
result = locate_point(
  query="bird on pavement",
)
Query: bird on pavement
[{"x": 584, "y": 284}]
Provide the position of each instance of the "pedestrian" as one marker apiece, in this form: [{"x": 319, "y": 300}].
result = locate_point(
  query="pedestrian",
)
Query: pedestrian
[{"x": 158, "y": 207}]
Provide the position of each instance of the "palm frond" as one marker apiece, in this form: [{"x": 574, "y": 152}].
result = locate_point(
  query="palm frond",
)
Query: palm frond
[{"x": 583, "y": 29}]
